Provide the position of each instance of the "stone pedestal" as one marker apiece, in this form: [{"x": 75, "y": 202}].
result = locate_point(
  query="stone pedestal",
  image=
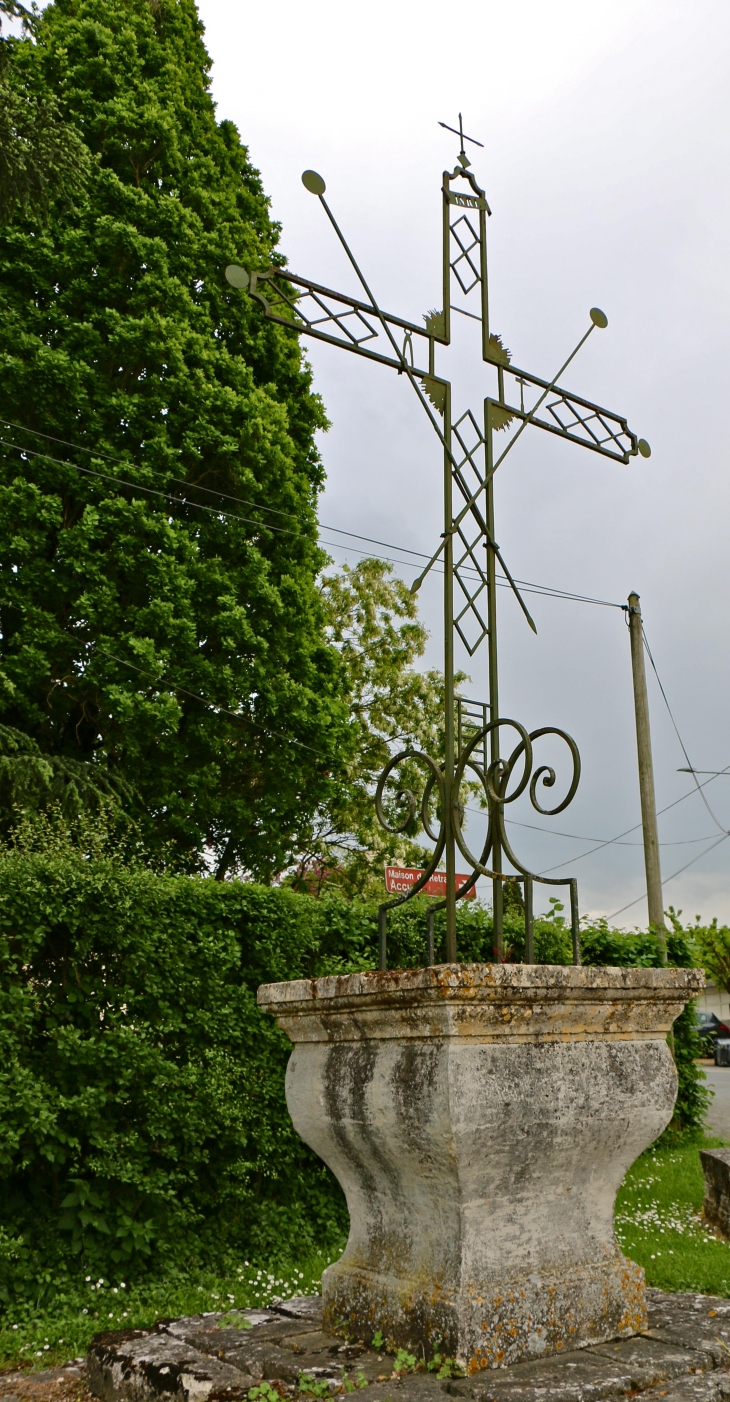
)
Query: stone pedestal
[{"x": 480, "y": 1119}]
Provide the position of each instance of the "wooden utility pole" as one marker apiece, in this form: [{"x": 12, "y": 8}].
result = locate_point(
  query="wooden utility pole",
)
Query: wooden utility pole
[{"x": 646, "y": 779}]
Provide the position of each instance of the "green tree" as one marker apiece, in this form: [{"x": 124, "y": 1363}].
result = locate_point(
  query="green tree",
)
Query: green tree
[
  {"x": 372, "y": 621},
  {"x": 42, "y": 158},
  {"x": 153, "y": 630},
  {"x": 34, "y": 783},
  {"x": 713, "y": 947}
]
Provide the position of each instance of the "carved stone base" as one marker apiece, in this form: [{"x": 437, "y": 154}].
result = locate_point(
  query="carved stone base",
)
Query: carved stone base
[{"x": 480, "y": 1120}]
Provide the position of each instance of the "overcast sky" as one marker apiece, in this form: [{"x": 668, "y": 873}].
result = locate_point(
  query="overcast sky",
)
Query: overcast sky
[{"x": 606, "y": 129}]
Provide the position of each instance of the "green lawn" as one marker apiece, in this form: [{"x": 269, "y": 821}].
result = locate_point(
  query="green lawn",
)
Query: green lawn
[{"x": 657, "y": 1224}]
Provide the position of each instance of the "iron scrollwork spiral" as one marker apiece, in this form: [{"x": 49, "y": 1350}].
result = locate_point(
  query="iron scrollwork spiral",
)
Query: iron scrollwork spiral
[
  {"x": 501, "y": 782},
  {"x": 405, "y": 799}
]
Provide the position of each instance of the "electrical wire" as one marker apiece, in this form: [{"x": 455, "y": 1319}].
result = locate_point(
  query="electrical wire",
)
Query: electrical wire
[
  {"x": 699, "y": 788},
  {"x": 216, "y": 511},
  {"x": 212, "y": 705},
  {"x": 543, "y": 589},
  {"x": 149, "y": 491},
  {"x": 611, "y": 841},
  {"x": 717, "y": 774},
  {"x": 715, "y": 820},
  {"x": 199, "y": 487},
  {"x": 168, "y": 496},
  {"x": 717, "y": 843},
  {"x": 556, "y": 832},
  {"x": 125, "y": 462}
]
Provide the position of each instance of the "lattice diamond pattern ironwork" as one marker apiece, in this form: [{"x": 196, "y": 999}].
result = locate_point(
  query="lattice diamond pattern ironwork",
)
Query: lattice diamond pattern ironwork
[
  {"x": 307, "y": 306},
  {"x": 566, "y": 413},
  {"x": 469, "y": 571},
  {"x": 469, "y": 621},
  {"x": 467, "y": 240}
]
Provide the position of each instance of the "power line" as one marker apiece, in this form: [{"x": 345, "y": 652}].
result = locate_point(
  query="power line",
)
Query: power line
[
  {"x": 576, "y": 837},
  {"x": 216, "y": 511},
  {"x": 125, "y": 462},
  {"x": 182, "y": 501},
  {"x": 291, "y": 739},
  {"x": 167, "y": 496},
  {"x": 212, "y": 705},
  {"x": 717, "y": 843},
  {"x": 237, "y": 715},
  {"x": 196, "y": 486},
  {"x": 716, "y": 774},
  {"x": 566, "y": 594},
  {"x": 610, "y": 841},
  {"x": 544, "y": 589},
  {"x": 150, "y": 491},
  {"x": 679, "y": 737}
]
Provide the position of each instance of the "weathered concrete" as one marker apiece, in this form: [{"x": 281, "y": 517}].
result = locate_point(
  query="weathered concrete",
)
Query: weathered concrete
[
  {"x": 480, "y": 1119},
  {"x": 681, "y": 1357},
  {"x": 716, "y": 1204}
]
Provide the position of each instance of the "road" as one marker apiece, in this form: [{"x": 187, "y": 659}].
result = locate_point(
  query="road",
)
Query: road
[{"x": 718, "y": 1077}]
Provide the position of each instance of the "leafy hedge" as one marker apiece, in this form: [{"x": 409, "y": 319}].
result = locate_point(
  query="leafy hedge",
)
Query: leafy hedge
[{"x": 142, "y": 1113}]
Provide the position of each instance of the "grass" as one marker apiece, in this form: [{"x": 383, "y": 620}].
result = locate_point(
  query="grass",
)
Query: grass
[
  {"x": 658, "y": 1222},
  {"x": 63, "y": 1330},
  {"x": 658, "y": 1225}
]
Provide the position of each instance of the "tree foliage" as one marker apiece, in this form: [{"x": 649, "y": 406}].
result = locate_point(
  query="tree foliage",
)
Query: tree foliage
[
  {"x": 372, "y": 620},
  {"x": 168, "y": 638},
  {"x": 42, "y": 157},
  {"x": 61, "y": 787},
  {"x": 713, "y": 945}
]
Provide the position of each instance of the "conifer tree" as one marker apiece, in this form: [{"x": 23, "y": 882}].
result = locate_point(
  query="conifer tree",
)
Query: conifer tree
[{"x": 168, "y": 638}]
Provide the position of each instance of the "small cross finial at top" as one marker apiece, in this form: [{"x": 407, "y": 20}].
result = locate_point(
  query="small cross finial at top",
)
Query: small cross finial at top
[{"x": 463, "y": 158}]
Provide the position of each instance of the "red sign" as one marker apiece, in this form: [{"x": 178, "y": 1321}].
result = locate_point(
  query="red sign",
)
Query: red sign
[{"x": 399, "y": 880}]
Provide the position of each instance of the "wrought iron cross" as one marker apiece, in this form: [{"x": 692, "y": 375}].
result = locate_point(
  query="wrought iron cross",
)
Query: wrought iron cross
[
  {"x": 463, "y": 158},
  {"x": 468, "y": 552}
]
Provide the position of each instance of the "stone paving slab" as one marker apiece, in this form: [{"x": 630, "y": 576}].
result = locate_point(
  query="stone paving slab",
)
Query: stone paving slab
[
  {"x": 603, "y": 1371},
  {"x": 302, "y": 1307},
  {"x": 66, "y": 1384},
  {"x": 649, "y": 1360},
  {"x": 418, "y": 1387},
  {"x": 705, "y": 1387},
  {"x": 696, "y": 1321},
  {"x": 578, "y": 1376},
  {"x": 684, "y": 1356},
  {"x": 131, "y": 1365}
]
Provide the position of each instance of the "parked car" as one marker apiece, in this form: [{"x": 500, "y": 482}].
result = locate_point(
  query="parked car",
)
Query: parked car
[{"x": 709, "y": 1028}]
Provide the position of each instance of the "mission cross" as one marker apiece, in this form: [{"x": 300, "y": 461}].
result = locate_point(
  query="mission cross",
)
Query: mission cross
[{"x": 468, "y": 553}]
